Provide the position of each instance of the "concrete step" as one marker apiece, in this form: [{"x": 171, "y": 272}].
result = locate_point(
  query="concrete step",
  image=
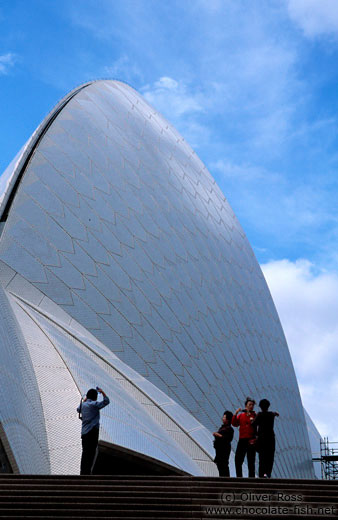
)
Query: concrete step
[{"x": 127, "y": 498}]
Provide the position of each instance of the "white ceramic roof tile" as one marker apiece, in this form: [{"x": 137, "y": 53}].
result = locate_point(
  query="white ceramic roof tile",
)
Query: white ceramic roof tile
[
  {"x": 61, "y": 162},
  {"x": 19, "y": 259},
  {"x": 6, "y": 274},
  {"x": 81, "y": 260},
  {"x": 21, "y": 413},
  {"x": 105, "y": 285},
  {"x": 68, "y": 274},
  {"x": 94, "y": 249}
]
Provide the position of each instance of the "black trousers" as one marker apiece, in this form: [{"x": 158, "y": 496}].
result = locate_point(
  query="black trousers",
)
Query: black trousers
[
  {"x": 266, "y": 452},
  {"x": 245, "y": 448},
  {"x": 89, "y": 445},
  {"x": 222, "y": 460}
]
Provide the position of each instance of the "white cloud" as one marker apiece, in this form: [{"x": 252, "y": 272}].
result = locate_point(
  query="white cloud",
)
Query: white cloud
[
  {"x": 307, "y": 304},
  {"x": 166, "y": 83},
  {"x": 315, "y": 17},
  {"x": 6, "y": 62},
  {"x": 173, "y": 98}
]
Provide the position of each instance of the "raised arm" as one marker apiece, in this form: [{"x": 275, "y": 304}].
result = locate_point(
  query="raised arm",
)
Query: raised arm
[
  {"x": 102, "y": 404},
  {"x": 235, "y": 420}
]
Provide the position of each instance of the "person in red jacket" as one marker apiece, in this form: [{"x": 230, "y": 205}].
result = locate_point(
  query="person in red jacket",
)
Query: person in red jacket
[{"x": 246, "y": 443}]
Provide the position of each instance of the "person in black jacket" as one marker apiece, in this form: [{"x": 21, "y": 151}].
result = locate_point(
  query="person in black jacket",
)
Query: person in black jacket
[
  {"x": 222, "y": 445},
  {"x": 265, "y": 444}
]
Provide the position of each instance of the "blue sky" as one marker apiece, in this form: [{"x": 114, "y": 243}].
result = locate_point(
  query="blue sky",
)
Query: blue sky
[{"x": 252, "y": 86}]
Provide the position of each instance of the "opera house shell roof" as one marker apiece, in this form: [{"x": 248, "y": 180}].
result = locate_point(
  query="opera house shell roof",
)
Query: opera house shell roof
[{"x": 122, "y": 265}]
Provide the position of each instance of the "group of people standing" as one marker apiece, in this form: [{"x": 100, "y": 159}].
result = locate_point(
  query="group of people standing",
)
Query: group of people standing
[{"x": 256, "y": 433}]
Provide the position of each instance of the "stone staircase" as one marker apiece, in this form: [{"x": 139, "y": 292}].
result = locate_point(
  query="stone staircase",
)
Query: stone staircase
[{"x": 175, "y": 497}]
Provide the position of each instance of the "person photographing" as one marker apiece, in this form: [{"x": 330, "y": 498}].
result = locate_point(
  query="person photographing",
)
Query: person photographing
[
  {"x": 246, "y": 443},
  {"x": 89, "y": 413}
]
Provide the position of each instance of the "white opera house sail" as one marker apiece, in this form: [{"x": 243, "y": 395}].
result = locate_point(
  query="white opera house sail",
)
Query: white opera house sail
[{"x": 122, "y": 265}]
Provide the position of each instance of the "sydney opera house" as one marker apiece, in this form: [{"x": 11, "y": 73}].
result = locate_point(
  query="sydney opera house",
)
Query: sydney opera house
[{"x": 122, "y": 265}]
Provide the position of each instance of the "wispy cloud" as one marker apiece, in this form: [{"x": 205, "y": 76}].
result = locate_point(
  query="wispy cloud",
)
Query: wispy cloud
[
  {"x": 7, "y": 61},
  {"x": 238, "y": 64},
  {"x": 124, "y": 69},
  {"x": 250, "y": 66},
  {"x": 315, "y": 18},
  {"x": 283, "y": 214},
  {"x": 243, "y": 172},
  {"x": 307, "y": 302}
]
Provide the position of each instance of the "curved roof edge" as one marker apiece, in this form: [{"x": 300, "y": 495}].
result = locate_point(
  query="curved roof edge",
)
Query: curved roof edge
[{"x": 16, "y": 169}]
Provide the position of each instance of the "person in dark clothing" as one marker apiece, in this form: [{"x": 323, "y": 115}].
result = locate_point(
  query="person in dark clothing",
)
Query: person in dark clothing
[
  {"x": 89, "y": 412},
  {"x": 222, "y": 445},
  {"x": 265, "y": 446},
  {"x": 246, "y": 443}
]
